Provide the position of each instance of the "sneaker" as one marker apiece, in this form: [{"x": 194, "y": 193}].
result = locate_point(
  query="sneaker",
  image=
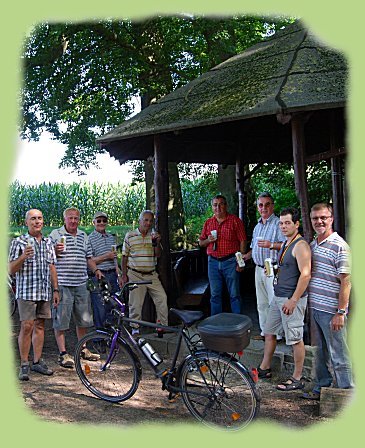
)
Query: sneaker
[
  {"x": 311, "y": 395},
  {"x": 87, "y": 354},
  {"x": 24, "y": 372},
  {"x": 66, "y": 361},
  {"x": 41, "y": 367}
]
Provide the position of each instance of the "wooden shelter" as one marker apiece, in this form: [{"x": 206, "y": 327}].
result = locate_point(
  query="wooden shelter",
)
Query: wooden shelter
[{"x": 282, "y": 100}]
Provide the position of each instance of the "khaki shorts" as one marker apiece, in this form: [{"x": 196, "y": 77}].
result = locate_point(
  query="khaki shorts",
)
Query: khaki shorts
[
  {"x": 33, "y": 309},
  {"x": 291, "y": 325},
  {"x": 74, "y": 301}
]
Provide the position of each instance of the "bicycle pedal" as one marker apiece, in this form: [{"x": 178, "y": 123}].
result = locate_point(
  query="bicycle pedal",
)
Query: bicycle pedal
[{"x": 173, "y": 397}]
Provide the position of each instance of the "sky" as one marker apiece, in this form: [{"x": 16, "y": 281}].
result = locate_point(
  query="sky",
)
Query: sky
[{"x": 37, "y": 162}]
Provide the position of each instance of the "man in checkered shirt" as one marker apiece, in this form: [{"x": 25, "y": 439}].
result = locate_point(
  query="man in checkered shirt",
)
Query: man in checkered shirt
[
  {"x": 223, "y": 235},
  {"x": 32, "y": 258}
]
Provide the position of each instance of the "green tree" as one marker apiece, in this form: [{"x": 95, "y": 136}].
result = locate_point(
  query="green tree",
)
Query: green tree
[{"x": 80, "y": 78}]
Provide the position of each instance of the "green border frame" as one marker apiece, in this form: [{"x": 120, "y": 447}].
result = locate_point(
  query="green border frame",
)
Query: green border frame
[{"x": 341, "y": 28}]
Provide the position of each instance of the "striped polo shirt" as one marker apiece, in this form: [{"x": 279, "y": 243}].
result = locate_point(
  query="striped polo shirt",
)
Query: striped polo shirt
[
  {"x": 329, "y": 259},
  {"x": 33, "y": 280},
  {"x": 139, "y": 251},
  {"x": 269, "y": 231},
  {"x": 71, "y": 264},
  {"x": 100, "y": 244}
]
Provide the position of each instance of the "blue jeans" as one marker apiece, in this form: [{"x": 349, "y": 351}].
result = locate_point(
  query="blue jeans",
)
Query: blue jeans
[
  {"x": 219, "y": 271},
  {"x": 331, "y": 348},
  {"x": 101, "y": 310}
]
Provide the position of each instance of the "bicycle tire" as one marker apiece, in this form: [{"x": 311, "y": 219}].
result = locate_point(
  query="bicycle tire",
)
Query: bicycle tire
[
  {"x": 218, "y": 391},
  {"x": 115, "y": 382}
]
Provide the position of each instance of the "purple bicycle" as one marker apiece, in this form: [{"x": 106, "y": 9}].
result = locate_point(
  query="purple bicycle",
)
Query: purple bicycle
[{"x": 216, "y": 387}]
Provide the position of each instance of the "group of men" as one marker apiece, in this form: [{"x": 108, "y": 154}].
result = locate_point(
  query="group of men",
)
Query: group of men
[
  {"x": 56, "y": 269},
  {"x": 52, "y": 275},
  {"x": 318, "y": 273}
]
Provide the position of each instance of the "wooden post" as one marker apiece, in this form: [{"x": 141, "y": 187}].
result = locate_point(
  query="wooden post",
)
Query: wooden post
[
  {"x": 300, "y": 177},
  {"x": 161, "y": 181},
  {"x": 240, "y": 187},
  {"x": 337, "y": 182}
]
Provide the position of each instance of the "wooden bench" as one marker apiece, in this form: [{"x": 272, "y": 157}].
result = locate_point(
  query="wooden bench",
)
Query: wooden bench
[{"x": 192, "y": 283}]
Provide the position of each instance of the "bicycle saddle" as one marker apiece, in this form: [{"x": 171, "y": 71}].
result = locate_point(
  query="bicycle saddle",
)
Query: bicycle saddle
[{"x": 188, "y": 317}]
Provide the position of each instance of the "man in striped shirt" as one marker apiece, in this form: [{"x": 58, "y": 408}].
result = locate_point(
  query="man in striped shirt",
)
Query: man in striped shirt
[
  {"x": 32, "y": 258},
  {"x": 104, "y": 252},
  {"x": 141, "y": 248},
  {"x": 223, "y": 235},
  {"x": 329, "y": 294},
  {"x": 74, "y": 255}
]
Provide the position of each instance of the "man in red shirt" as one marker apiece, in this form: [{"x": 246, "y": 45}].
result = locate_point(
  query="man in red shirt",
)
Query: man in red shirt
[{"x": 223, "y": 235}]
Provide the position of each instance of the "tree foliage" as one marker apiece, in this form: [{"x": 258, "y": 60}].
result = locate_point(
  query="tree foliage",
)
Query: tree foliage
[{"x": 80, "y": 78}]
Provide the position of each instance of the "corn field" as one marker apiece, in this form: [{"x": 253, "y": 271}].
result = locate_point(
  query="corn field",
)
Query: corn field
[{"x": 122, "y": 203}]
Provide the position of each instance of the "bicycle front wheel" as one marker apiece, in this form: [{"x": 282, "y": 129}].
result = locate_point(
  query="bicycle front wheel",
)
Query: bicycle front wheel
[
  {"x": 217, "y": 391},
  {"x": 12, "y": 301},
  {"x": 116, "y": 375}
]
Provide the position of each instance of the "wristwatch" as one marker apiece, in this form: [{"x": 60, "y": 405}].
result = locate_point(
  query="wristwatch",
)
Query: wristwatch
[{"x": 341, "y": 311}]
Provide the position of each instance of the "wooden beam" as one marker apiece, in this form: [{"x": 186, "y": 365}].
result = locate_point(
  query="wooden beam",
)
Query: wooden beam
[
  {"x": 300, "y": 176},
  {"x": 333, "y": 152},
  {"x": 161, "y": 181}
]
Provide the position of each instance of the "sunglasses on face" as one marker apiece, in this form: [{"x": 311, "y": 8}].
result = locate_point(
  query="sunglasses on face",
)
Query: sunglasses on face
[{"x": 100, "y": 220}]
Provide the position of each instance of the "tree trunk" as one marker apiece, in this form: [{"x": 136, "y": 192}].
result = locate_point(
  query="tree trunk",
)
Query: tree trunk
[{"x": 227, "y": 186}]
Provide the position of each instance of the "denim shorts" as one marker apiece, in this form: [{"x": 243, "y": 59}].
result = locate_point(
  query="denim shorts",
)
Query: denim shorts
[
  {"x": 74, "y": 301},
  {"x": 32, "y": 309},
  {"x": 291, "y": 325}
]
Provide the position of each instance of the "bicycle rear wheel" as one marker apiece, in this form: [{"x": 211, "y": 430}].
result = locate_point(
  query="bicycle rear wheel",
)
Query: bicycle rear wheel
[
  {"x": 114, "y": 380},
  {"x": 217, "y": 391}
]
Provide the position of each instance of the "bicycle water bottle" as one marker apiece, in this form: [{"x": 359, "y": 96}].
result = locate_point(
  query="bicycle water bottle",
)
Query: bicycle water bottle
[{"x": 152, "y": 356}]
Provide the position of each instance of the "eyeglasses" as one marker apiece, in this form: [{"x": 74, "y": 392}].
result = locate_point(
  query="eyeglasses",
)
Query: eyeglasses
[
  {"x": 267, "y": 204},
  {"x": 101, "y": 220},
  {"x": 320, "y": 218}
]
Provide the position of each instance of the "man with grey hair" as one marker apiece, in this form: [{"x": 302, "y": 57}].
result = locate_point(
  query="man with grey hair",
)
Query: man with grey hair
[
  {"x": 32, "y": 258},
  {"x": 74, "y": 256},
  {"x": 266, "y": 241},
  {"x": 141, "y": 248}
]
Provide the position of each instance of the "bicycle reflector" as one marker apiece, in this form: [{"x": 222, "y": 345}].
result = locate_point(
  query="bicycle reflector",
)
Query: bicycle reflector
[
  {"x": 254, "y": 374},
  {"x": 235, "y": 416},
  {"x": 204, "y": 369},
  {"x": 87, "y": 369}
]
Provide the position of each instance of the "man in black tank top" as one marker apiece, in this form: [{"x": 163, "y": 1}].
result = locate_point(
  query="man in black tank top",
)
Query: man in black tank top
[{"x": 286, "y": 312}]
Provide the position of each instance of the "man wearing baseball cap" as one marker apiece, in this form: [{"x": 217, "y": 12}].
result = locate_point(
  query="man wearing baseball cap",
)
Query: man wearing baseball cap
[{"x": 104, "y": 254}]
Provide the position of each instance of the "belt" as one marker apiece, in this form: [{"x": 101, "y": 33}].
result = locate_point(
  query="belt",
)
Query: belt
[
  {"x": 107, "y": 270},
  {"x": 259, "y": 265},
  {"x": 227, "y": 257},
  {"x": 142, "y": 272}
]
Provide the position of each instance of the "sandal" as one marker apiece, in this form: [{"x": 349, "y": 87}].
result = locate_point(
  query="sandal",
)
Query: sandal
[
  {"x": 264, "y": 373},
  {"x": 290, "y": 384}
]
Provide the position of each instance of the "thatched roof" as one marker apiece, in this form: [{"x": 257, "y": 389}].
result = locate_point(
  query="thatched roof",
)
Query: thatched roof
[{"x": 289, "y": 72}]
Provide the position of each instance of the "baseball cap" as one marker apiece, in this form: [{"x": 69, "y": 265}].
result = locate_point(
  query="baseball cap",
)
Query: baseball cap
[{"x": 100, "y": 214}]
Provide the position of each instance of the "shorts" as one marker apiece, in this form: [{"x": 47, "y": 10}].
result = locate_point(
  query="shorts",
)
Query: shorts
[
  {"x": 74, "y": 301},
  {"x": 291, "y": 325},
  {"x": 34, "y": 309}
]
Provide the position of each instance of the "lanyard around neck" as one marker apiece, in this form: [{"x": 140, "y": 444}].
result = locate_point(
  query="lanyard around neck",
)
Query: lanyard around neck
[{"x": 286, "y": 247}]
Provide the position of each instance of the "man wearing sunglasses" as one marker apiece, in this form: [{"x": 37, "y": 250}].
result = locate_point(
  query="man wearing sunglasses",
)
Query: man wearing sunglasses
[
  {"x": 329, "y": 295},
  {"x": 104, "y": 253},
  {"x": 266, "y": 241}
]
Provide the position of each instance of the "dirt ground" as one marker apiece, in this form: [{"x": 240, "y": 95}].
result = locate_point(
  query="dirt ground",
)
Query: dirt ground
[{"x": 62, "y": 398}]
